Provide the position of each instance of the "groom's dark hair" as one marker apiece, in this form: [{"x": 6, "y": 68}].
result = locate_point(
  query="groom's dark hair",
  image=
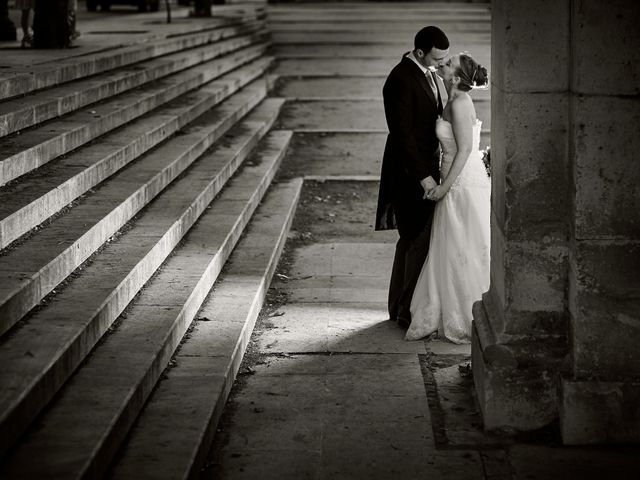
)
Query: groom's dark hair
[{"x": 430, "y": 37}]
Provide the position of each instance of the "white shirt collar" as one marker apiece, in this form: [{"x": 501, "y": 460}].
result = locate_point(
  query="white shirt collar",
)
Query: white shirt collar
[{"x": 411, "y": 56}]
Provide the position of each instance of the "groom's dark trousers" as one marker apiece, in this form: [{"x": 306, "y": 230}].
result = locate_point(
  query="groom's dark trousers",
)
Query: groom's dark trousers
[
  {"x": 410, "y": 255},
  {"x": 411, "y": 154}
]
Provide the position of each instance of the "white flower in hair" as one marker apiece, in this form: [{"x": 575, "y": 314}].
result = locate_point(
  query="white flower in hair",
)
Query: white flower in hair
[{"x": 474, "y": 84}]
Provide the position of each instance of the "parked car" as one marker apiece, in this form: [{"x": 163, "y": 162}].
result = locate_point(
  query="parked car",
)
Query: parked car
[{"x": 143, "y": 5}]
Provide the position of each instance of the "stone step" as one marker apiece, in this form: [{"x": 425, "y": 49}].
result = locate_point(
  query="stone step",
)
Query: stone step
[
  {"x": 43, "y": 350},
  {"x": 333, "y": 88},
  {"x": 174, "y": 431},
  {"x": 374, "y": 15},
  {"x": 35, "y": 147},
  {"x": 349, "y": 116},
  {"x": 405, "y": 37},
  {"x": 382, "y": 26},
  {"x": 80, "y": 433},
  {"x": 377, "y": 10},
  {"x": 326, "y": 67},
  {"x": 34, "y": 198},
  {"x": 44, "y": 105},
  {"x": 44, "y": 260},
  {"x": 54, "y": 70},
  {"x": 377, "y": 51}
]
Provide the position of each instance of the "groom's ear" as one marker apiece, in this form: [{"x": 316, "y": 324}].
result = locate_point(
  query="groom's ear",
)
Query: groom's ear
[{"x": 419, "y": 53}]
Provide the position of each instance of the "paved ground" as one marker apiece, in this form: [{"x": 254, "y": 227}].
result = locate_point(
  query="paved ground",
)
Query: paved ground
[{"x": 329, "y": 389}]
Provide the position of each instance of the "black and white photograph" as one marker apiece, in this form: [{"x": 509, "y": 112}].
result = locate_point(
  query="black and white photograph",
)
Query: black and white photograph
[{"x": 319, "y": 240}]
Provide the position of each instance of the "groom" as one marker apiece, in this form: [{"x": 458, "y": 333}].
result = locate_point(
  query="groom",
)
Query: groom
[{"x": 413, "y": 98}]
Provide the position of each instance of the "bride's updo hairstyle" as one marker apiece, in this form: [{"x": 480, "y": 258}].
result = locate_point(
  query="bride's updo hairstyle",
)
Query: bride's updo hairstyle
[{"x": 472, "y": 74}]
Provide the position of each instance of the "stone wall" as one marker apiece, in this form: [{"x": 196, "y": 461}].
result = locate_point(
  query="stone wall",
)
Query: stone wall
[
  {"x": 563, "y": 306},
  {"x": 601, "y": 395}
]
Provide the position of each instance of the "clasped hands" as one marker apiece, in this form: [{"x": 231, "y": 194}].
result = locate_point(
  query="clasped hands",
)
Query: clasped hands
[{"x": 432, "y": 191}]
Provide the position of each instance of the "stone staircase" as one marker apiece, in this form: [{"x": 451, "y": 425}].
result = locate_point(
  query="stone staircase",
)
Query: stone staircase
[{"x": 135, "y": 206}]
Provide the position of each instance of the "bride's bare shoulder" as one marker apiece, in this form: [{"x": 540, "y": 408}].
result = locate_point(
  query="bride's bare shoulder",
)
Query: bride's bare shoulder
[
  {"x": 462, "y": 101},
  {"x": 462, "y": 107}
]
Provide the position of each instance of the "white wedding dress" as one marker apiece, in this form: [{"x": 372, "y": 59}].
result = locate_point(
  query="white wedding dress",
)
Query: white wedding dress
[{"x": 456, "y": 271}]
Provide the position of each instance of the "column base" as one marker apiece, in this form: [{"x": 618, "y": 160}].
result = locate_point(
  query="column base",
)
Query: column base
[
  {"x": 516, "y": 383},
  {"x": 596, "y": 412}
]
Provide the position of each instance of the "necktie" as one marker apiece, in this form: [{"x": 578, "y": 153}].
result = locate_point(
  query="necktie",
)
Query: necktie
[
  {"x": 434, "y": 88},
  {"x": 432, "y": 83}
]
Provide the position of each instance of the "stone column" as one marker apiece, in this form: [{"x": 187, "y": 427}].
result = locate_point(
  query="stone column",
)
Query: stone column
[
  {"x": 600, "y": 398},
  {"x": 562, "y": 309},
  {"x": 520, "y": 326}
]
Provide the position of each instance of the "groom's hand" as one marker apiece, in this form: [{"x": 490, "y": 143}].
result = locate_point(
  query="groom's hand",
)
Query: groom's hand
[
  {"x": 428, "y": 184},
  {"x": 436, "y": 194}
]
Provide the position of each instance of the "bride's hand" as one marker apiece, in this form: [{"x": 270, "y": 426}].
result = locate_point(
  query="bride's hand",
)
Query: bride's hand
[{"x": 437, "y": 193}]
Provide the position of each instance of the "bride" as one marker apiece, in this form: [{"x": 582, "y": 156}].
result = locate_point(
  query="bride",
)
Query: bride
[{"x": 456, "y": 271}]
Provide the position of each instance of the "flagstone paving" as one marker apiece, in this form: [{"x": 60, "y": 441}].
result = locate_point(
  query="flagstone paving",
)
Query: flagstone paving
[
  {"x": 329, "y": 389},
  {"x": 334, "y": 390}
]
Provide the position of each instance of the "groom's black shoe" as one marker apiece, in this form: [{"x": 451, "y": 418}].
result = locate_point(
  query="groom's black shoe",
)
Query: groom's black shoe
[{"x": 404, "y": 322}]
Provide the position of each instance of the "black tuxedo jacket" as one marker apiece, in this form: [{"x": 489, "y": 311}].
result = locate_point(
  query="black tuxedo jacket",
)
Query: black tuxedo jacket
[{"x": 412, "y": 150}]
